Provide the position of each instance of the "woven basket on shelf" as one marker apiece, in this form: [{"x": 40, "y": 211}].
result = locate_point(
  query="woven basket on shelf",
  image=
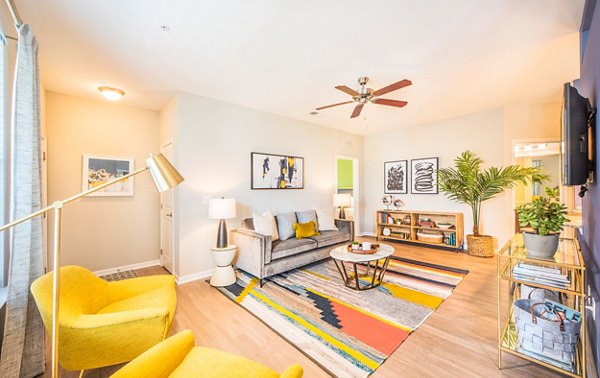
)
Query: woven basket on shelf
[{"x": 480, "y": 246}]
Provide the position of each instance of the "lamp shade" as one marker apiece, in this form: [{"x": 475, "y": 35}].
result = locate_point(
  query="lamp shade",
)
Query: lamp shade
[
  {"x": 221, "y": 208},
  {"x": 342, "y": 199},
  {"x": 164, "y": 174}
]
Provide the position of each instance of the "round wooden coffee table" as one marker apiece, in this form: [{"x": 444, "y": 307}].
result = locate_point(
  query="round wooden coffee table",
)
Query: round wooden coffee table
[{"x": 375, "y": 272}]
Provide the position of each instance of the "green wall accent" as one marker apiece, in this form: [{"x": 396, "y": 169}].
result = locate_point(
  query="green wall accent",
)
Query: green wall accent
[{"x": 345, "y": 178}]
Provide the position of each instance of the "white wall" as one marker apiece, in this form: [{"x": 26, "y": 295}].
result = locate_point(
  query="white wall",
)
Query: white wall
[
  {"x": 481, "y": 133},
  {"x": 102, "y": 232},
  {"x": 213, "y": 141}
]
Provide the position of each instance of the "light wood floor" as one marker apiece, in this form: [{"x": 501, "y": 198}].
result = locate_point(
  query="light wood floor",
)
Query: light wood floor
[{"x": 458, "y": 340}]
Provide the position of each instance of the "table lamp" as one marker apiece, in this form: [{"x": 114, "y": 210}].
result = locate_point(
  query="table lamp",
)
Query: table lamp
[
  {"x": 221, "y": 209},
  {"x": 165, "y": 177},
  {"x": 342, "y": 200}
]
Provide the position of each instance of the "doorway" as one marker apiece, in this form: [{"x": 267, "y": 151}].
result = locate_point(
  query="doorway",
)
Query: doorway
[
  {"x": 167, "y": 220},
  {"x": 347, "y": 182}
]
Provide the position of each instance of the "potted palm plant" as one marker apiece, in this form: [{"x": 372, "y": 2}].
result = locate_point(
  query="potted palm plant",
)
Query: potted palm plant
[
  {"x": 467, "y": 183},
  {"x": 544, "y": 217}
]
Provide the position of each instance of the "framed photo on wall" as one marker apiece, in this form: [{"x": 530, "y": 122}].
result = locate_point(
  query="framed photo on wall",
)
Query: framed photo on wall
[
  {"x": 395, "y": 177},
  {"x": 98, "y": 170},
  {"x": 272, "y": 171},
  {"x": 424, "y": 176}
]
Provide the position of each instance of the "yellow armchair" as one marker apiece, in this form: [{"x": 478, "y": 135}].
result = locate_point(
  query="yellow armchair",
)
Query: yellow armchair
[
  {"x": 105, "y": 323},
  {"x": 177, "y": 357}
]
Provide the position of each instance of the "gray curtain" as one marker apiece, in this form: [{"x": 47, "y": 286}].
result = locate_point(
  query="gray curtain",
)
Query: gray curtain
[{"x": 23, "y": 343}]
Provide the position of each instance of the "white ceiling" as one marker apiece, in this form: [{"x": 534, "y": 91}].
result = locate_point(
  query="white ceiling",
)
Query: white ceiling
[{"x": 285, "y": 57}]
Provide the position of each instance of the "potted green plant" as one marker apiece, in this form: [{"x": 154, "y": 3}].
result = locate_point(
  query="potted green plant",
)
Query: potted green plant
[
  {"x": 467, "y": 183},
  {"x": 545, "y": 218}
]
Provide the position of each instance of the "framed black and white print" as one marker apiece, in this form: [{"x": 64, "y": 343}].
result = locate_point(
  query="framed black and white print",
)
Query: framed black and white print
[
  {"x": 424, "y": 176},
  {"x": 271, "y": 171},
  {"x": 395, "y": 179}
]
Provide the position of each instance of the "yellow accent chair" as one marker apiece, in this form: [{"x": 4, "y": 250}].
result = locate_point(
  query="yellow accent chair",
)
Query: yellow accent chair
[
  {"x": 177, "y": 357},
  {"x": 106, "y": 323}
]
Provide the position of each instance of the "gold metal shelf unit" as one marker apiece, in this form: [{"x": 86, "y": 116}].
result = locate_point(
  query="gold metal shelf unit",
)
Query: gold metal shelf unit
[{"x": 570, "y": 262}]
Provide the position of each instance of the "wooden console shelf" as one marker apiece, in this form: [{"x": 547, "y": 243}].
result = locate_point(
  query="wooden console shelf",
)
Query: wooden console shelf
[{"x": 421, "y": 227}]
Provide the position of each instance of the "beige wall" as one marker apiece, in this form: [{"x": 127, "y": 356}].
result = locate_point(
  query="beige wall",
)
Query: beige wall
[
  {"x": 480, "y": 132},
  {"x": 102, "y": 232},
  {"x": 213, "y": 143},
  {"x": 490, "y": 134}
]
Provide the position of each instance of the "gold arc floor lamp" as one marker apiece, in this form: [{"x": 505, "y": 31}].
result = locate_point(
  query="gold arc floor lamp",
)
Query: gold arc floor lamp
[{"x": 165, "y": 177}]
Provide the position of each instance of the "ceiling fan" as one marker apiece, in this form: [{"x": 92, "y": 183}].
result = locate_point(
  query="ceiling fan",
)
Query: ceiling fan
[{"x": 365, "y": 95}]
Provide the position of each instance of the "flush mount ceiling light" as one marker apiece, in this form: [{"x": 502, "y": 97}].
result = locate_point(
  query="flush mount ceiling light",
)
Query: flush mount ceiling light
[{"x": 112, "y": 94}]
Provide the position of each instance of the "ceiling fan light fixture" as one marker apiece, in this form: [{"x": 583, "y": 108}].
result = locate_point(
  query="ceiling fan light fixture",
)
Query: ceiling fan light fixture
[{"x": 112, "y": 94}]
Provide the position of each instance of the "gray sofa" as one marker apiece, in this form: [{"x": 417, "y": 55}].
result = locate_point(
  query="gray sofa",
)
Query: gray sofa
[{"x": 262, "y": 257}]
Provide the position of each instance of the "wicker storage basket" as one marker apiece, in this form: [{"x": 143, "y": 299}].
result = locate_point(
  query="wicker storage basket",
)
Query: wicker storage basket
[
  {"x": 480, "y": 246},
  {"x": 430, "y": 237}
]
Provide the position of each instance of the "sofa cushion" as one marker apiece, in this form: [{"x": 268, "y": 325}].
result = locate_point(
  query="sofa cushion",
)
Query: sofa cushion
[
  {"x": 285, "y": 224},
  {"x": 304, "y": 230},
  {"x": 265, "y": 224},
  {"x": 326, "y": 221},
  {"x": 330, "y": 238},
  {"x": 307, "y": 216},
  {"x": 282, "y": 248}
]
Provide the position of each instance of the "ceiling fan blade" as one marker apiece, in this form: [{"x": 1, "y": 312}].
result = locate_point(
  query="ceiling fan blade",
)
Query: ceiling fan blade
[
  {"x": 385, "y": 101},
  {"x": 392, "y": 87},
  {"x": 348, "y": 90},
  {"x": 357, "y": 110},
  {"x": 332, "y": 105}
]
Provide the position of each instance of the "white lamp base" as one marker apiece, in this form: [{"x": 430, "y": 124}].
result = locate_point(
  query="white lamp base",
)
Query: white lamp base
[{"x": 223, "y": 274}]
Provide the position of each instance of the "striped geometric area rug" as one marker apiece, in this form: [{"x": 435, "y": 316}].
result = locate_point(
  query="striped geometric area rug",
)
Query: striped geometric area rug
[
  {"x": 123, "y": 275},
  {"x": 347, "y": 332}
]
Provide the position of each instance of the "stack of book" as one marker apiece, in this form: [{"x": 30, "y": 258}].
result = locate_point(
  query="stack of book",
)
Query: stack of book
[{"x": 541, "y": 275}]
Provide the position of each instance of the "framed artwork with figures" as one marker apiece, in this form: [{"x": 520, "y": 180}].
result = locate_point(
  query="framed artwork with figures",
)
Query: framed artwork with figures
[
  {"x": 424, "y": 176},
  {"x": 98, "y": 170},
  {"x": 271, "y": 171},
  {"x": 395, "y": 179}
]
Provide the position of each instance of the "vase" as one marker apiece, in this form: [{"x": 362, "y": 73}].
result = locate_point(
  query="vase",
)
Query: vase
[{"x": 540, "y": 246}]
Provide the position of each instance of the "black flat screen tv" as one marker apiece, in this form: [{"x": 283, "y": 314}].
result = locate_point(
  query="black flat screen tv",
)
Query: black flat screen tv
[{"x": 576, "y": 137}]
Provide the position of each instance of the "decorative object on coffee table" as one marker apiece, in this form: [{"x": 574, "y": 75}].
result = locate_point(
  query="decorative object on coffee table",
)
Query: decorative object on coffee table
[
  {"x": 341, "y": 201},
  {"x": 223, "y": 274},
  {"x": 221, "y": 209},
  {"x": 352, "y": 279},
  {"x": 544, "y": 217},
  {"x": 467, "y": 183}
]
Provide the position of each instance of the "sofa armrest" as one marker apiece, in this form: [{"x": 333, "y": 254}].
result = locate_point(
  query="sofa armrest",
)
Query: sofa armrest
[
  {"x": 254, "y": 250},
  {"x": 346, "y": 225}
]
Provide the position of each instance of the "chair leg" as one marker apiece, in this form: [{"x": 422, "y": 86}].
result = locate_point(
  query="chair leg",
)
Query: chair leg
[
  {"x": 81, "y": 373},
  {"x": 261, "y": 282}
]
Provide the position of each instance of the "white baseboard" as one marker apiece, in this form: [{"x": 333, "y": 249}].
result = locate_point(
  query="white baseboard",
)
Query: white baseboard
[
  {"x": 193, "y": 277},
  {"x": 368, "y": 234},
  {"x": 118, "y": 269}
]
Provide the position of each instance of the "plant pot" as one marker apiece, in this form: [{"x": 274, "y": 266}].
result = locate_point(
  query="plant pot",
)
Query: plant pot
[
  {"x": 480, "y": 246},
  {"x": 540, "y": 246}
]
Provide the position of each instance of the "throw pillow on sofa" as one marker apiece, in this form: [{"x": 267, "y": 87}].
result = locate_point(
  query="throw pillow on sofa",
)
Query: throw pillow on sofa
[
  {"x": 285, "y": 225},
  {"x": 307, "y": 216},
  {"x": 304, "y": 230},
  {"x": 326, "y": 221},
  {"x": 265, "y": 224}
]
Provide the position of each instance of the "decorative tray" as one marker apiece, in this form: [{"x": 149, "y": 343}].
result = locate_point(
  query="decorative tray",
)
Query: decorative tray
[{"x": 360, "y": 251}]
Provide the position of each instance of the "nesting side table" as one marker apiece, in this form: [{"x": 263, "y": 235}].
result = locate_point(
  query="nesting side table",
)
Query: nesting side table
[{"x": 223, "y": 274}]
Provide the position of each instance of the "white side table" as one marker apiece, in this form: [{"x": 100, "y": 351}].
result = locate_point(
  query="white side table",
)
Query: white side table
[{"x": 223, "y": 274}]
